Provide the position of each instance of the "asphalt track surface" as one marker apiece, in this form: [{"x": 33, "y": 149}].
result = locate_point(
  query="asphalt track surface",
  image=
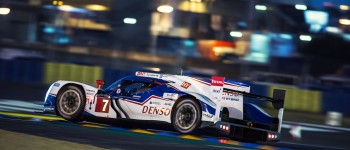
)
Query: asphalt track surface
[{"x": 130, "y": 134}]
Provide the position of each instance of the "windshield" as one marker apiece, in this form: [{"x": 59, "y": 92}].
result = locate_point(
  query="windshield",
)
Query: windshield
[{"x": 113, "y": 87}]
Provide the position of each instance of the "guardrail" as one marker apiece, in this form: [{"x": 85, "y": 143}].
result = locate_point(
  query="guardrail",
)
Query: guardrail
[
  {"x": 24, "y": 71},
  {"x": 80, "y": 73},
  {"x": 300, "y": 99}
]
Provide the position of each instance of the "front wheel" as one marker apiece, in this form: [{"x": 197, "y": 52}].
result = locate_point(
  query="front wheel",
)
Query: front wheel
[
  {"x": 70, "y": 103},
  {"x": 187, "y": 116}
]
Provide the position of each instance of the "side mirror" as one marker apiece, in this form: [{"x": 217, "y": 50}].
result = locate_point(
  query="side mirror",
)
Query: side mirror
[{"x": 99, "y": 83}]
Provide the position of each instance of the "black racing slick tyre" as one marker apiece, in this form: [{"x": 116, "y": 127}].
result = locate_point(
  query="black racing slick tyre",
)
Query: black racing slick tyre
[
  {"x": 186, "y": 116},
  {"x": 70, "y": 103}
]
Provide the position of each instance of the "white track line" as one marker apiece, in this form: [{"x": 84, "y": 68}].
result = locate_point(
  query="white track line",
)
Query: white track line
[
  {"x": 217, "y": 146},
  {"x": 311, "y": 145},
  {"x": 317, "y": 126}
]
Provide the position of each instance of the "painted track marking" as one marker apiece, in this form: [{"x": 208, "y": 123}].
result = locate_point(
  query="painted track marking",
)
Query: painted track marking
[{"x": 32, "y": 117}]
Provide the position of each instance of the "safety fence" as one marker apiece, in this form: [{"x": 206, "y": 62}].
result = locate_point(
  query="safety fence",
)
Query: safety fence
[{"x": 39, "y": 72}]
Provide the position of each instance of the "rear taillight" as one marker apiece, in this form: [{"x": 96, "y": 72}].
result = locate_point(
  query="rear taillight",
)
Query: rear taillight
[
  {"x": 272, "y": 136},
  {"x": 225, "y": 127}
]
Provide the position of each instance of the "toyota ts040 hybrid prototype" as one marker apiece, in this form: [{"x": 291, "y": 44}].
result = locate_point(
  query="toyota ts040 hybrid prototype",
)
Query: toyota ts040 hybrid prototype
[{"x": 186, "y": 102}]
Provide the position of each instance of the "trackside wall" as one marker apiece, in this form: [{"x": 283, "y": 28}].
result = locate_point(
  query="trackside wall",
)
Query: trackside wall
[{"x": 37, "y": 72}]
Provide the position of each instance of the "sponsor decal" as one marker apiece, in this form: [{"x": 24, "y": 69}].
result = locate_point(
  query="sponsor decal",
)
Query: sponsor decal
[
  {"x": 136, "y": 96},
  {"x": 167, "y": 104},
  {"x": 163, "y": 76},
  {"x": 89, "y": 99},
  {"x": 216, "y": 87},
  {"x": 154, "y": 75},
  {"x": 102, "y": 104},
  {"x": 208, "y": 115},
  {"x": 90, "y": 90},
  {"x": 154, "y": 103},
  {"x": 185, "y": 85},
  {"x": 216, "y": 91},
  {"x": 89, "y": 93},
  {"x": 140, "y": 73},
  {"x": 118, "y": 91},
  {"x": 230, "y": 99},
  {"x": 170, "y": 95},
  {"x": 147, "y": 74},
  {"x": 156, "y": 110},
  {"x": 49, "y": 108},
  {"x": 231, "y": 94},
  {"x": 217, "y": 81},
  {"x": 56, "y": 84}
]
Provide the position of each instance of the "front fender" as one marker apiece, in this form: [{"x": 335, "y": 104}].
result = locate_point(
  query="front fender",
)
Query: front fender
[{"x": 51, "y": 94}]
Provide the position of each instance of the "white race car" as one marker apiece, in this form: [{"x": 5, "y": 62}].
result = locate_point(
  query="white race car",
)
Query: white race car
[{"x": 186, "y": 102}]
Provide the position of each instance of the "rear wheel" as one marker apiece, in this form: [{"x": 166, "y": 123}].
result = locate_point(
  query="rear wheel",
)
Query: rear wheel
[
  {"x": 186, "y": 116},
  {"x": 70, "y": 103}
]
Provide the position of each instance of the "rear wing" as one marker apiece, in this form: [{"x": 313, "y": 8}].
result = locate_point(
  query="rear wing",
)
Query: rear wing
[{"x": 277, "y": 99}]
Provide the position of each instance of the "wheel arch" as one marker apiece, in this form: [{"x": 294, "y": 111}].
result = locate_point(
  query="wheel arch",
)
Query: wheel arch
[
  {"x": 66, "y": 85},
  {"x": 187, "y": 96},
  {"x": 225, "y": 110},
  {"x": 73, "y": 84},
  {"x": 225, "y": 114}
]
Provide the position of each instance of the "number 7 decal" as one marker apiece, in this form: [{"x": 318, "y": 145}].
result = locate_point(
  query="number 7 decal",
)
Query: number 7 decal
[
  {"x": 102, "y": 104},
  {"x": 105, "y": 101}
]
